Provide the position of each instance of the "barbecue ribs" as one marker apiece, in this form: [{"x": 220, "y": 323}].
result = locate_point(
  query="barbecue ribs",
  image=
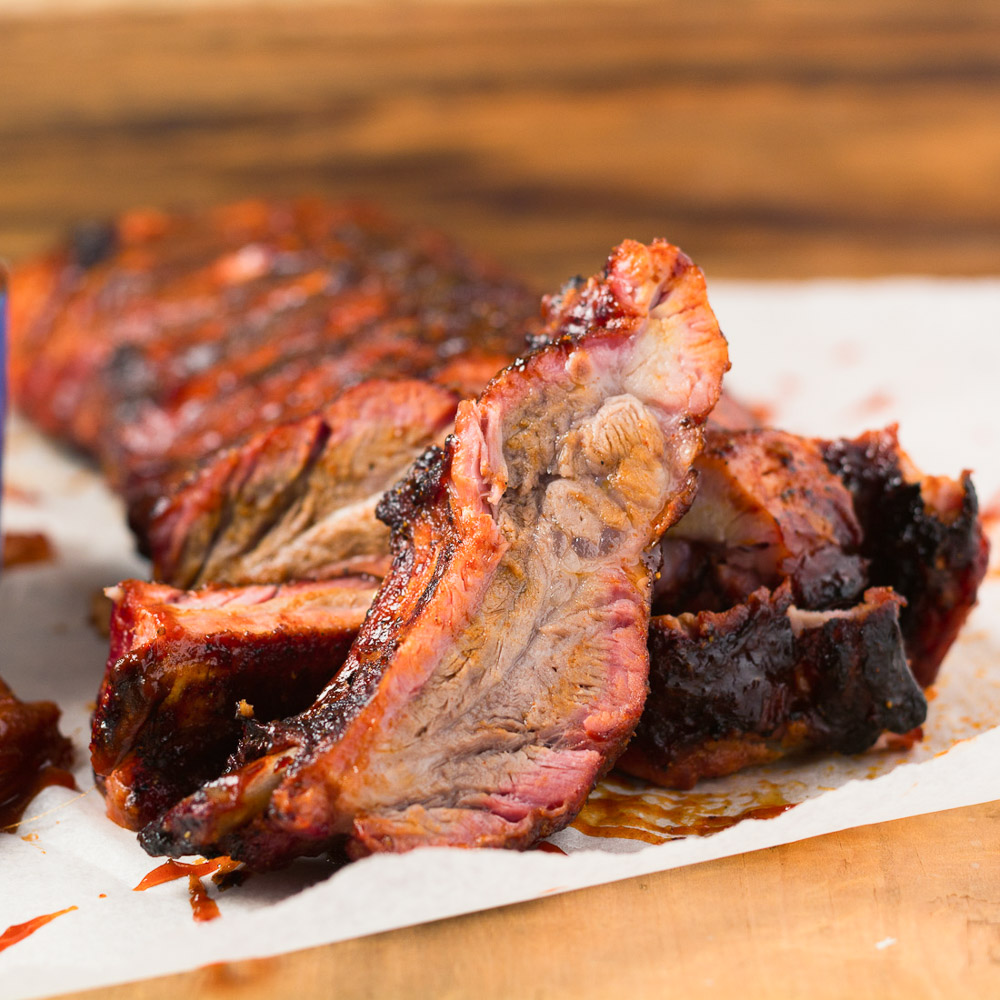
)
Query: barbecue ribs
[{"x": 502, "y": 667}]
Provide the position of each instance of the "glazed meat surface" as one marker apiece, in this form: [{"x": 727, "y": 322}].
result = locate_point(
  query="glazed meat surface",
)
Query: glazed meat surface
[
  {"x": 922, "y": 536},
  {"x": 154, "y": 341},
  {"x": 764, "y": 678},
  {"x": 29, "y": 740},
  {"x": 186, "y": 668},
  {"x": 503, "y": 665},
  {"x": 298, "y": 501}
]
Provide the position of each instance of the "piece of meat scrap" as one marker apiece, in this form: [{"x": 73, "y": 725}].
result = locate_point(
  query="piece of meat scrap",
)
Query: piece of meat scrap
[
  {"x": 187, "y": 667},
  {"x": 502, "y": 667},
  {"x": 817, "y": 528},
  {"x": 298, "y": 502},
  {"x": 764, "y": 678},
  {"x": 29, "y": 741}
]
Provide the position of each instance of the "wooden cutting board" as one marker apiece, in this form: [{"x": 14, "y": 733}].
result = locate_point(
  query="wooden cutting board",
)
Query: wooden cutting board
[{"x": 770, "y": 139}]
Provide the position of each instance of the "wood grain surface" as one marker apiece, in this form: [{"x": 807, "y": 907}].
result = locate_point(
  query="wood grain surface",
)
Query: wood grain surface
[
  {"x": 770, "y": 139},
  {"x": 767, "y": 137},
  {"x": 906, "y": 909}
]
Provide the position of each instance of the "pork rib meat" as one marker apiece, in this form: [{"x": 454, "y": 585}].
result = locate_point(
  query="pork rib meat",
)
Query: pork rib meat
[
  {"x": 503, "y": 665},
  {"x": 186, "y": 667}
]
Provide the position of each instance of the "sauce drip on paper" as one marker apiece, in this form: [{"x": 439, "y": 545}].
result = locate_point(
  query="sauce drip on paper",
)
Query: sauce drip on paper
[
  {"x": 203, "y": 907},
  {"x": 18, "y": 932},
  {"x": 548, "y": 848}
]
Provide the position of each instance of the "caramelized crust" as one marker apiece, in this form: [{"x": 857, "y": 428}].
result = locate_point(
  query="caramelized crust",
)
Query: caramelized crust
[
  {"x": 922, "y": 536},
  {"x": 764, "y": 678},
  {"x": 153, "y": 341}
]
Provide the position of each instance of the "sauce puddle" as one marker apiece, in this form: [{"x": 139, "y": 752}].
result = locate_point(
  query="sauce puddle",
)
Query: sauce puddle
[
  {"x": 638, "y": 815},
  {"x": 18, "y": 932},
  {"x": 203, "y": 907},
  {"x": 12, "y": 811}
]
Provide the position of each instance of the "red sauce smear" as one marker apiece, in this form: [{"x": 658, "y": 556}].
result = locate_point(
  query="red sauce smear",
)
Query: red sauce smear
[
  {"x": 548, "y": 848},
  {"x": 203, "y": 907},
  {"x": 12, "y": 811},
  {"x": 18, "y": 932},
  {"x": 22, "y": 548}
]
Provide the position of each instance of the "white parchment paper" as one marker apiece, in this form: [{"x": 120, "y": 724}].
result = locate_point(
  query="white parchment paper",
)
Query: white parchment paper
[{"x": 828, "y": 358}]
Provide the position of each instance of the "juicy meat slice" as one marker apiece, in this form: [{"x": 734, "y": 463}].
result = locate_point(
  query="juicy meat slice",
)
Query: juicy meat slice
[
  {"x": 922, "y": 536},
  {"x": 298, "y": 502},
  {"x": 503, "y": 665},
  {"x": 765, "y": 678},
  {"x": 768, "y": 509},
  {"x": 29, "y": 740},
  {"x": 187, "y": 667},
  {"x": 155, "y": 340}
]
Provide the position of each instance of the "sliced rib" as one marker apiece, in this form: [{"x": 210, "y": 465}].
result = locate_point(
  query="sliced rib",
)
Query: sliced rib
[
  {"x": 768, "y": 509},
  {"x": 187, "y": 667}
]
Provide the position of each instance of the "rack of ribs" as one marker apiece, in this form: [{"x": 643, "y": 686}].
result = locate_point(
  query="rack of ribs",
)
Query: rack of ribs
[
  {"x": 154, "y": 341},
  {"x": 503, "y": 665}
]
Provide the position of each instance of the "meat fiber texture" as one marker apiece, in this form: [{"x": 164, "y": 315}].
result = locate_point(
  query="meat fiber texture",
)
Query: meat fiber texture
[
  {"x": 298, "y": 501},
  {"x": 156, "y": 339},
  {"x": 503, "y": 666}
]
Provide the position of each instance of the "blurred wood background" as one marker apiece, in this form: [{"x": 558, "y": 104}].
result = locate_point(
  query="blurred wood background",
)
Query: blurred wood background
[{"x": 767, "y": 137}]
